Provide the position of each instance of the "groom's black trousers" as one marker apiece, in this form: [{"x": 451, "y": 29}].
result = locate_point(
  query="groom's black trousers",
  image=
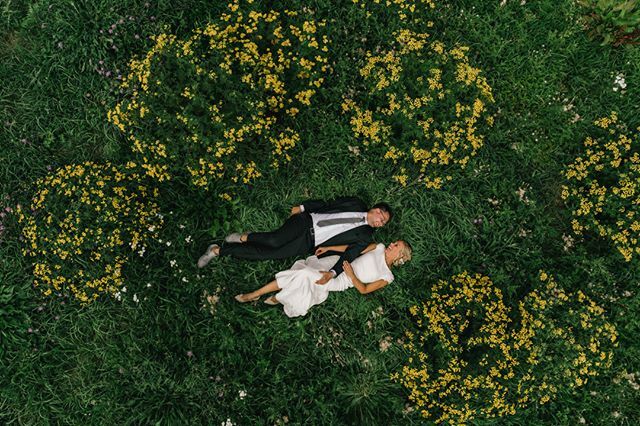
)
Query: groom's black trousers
[{"x": 293, "y": 238}]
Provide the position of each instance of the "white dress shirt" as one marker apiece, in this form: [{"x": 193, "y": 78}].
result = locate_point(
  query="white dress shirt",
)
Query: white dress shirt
[{"x": 325, "y": 233}]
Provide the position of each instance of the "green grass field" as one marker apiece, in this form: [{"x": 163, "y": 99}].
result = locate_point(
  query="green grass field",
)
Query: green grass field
[{"x": 166, "y": 359}]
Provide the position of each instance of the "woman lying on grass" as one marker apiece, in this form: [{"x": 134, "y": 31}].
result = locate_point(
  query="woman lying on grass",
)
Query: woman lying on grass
[{"x": 297, "y": 288}]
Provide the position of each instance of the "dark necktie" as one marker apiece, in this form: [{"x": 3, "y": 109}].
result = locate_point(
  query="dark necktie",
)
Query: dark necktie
[{"x": 340, "y": 220}]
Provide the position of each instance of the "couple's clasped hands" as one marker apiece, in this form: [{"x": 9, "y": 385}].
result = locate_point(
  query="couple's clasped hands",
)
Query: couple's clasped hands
[{"x": 327, "y": 275}]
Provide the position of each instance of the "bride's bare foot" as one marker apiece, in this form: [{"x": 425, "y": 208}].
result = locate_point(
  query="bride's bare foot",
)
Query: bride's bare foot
[{"x": 242, "y": 298}]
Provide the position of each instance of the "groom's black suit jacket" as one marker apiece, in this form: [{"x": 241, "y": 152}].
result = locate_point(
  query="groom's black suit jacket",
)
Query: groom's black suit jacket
[{"x": 357, "y": 238}]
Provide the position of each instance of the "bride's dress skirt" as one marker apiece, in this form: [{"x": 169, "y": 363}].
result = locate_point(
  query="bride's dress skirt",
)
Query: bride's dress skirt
[{"x": 299, "y": 289}]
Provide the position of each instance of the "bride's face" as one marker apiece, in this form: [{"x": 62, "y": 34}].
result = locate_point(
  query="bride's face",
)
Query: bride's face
[{"x": 394, "y": 250}]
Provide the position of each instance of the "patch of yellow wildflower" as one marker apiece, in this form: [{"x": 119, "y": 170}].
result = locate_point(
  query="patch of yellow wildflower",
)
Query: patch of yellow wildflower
[
  {"x": 220, "y": 105},
  {"x": 573, "y": 327},
  {"x": 603, "y": 187},
  {"x": 408, "y": 11},
  {"x": 469, "y": 359},
  {"x": 83, "y": 222},
  {"x": 421, "y": 107}
]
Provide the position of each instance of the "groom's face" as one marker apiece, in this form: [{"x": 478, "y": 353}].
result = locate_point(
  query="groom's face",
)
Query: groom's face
[{"x": 377, "y": 218}]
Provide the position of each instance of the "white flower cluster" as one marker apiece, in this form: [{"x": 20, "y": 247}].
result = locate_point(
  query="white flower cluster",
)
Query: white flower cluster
[{"x": 619, "y": 83}]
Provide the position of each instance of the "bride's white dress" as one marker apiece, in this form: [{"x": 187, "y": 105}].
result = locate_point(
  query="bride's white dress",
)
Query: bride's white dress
[{"x": 300, "y": 291}]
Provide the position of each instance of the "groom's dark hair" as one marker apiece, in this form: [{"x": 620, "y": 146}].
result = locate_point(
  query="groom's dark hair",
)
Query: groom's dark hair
[{"x": 384, "y": 207}]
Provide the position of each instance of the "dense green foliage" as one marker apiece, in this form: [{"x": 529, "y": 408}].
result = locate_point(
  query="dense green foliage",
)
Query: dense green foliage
[
  {"x": 167, "y": 359},
  {"x": 612, "y": 21}
]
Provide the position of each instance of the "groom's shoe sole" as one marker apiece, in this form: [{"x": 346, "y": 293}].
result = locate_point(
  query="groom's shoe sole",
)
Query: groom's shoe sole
[
  {"x": 233, "y": 238},
  {"x": 207, "y": 256}
]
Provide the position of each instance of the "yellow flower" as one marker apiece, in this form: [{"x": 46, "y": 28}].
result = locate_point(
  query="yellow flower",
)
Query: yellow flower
[
  {"x": 590, "y": 189},
  {"x": 283, "y": 76}
]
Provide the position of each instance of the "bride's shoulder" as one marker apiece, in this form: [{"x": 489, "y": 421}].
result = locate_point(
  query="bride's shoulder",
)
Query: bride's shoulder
[{"x": 380, "y": 246}]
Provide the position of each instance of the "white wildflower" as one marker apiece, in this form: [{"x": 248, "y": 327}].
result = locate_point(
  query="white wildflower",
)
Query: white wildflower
[
  {"x": 377, "y": 312},
  {"x": 568, "y": 242},
  {"x": 354, "y": 150},
  {"x": 385, "y": 344},
  {"x": 619, "y": 83},
  {"x": 521, "y": 194}
]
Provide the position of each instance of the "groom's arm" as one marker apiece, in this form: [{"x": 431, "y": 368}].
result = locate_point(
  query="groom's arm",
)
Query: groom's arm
[
  {"x": 353, "y": 203},
  {"x": 349, "y": 254},
  {"x": 352, "y": 252},
  {"x": 308, "y": 206}
]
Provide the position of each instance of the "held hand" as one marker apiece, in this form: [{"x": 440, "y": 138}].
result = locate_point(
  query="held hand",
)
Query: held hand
[
  {"x": 295, "y": 210},
  {"x": 321, "y": 250},
  {"x": 348, "y": 269},
  {"x": 326, "y": 276}
]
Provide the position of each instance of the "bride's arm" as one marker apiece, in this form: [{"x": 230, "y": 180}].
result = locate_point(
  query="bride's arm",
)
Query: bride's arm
[
  {"x": 342, "y": 248},
  {"x": 368, "y": 248},
  {"x": 359, "y": 285},
  {"x": 325, "y": 249}
]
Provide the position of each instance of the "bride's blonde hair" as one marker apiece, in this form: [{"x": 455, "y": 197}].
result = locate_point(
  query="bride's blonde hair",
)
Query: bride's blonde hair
[{"x": 405, "y": 254}]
